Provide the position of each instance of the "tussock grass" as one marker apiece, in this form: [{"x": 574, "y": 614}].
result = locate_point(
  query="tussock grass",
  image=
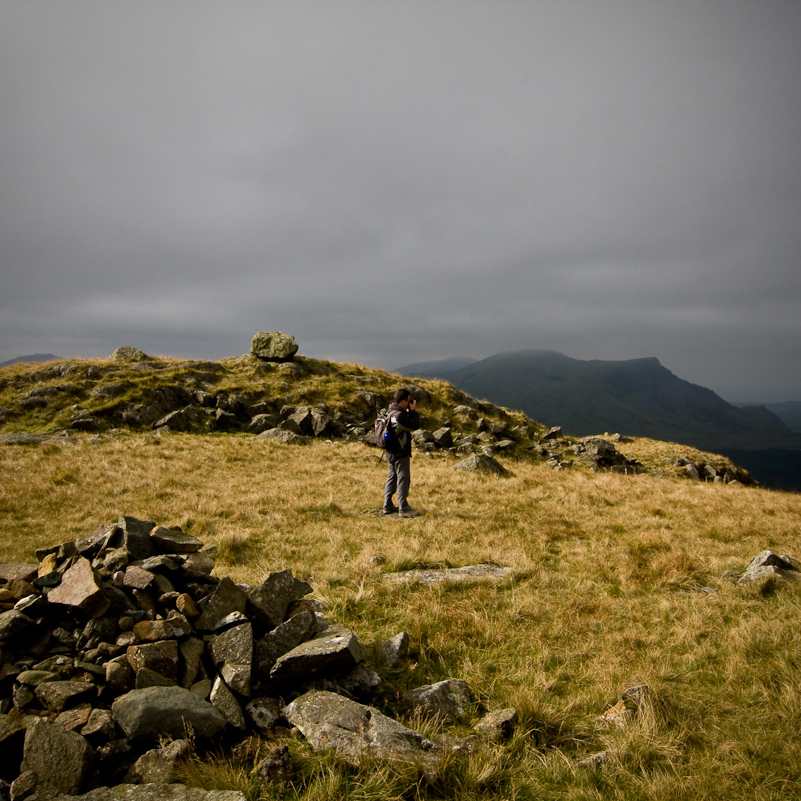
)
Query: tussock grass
[{"x": 618, "y": 581}]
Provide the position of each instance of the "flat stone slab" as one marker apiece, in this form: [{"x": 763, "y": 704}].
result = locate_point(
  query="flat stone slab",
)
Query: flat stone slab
[
  {"x": 19, "y": 571},
  {"x": 80, "y": 589},
  {"x": 155, "y": 792},
  {"x": 438, "y": 575},
  {"x": 337, "y": 650},
  {"x": 352, "y": 730}
]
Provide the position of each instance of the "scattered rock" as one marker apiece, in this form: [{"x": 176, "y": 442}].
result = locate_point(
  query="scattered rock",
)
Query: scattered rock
[
  {"x": 396, "y": 650},
  {"x": 448, "y": 700},
  {"x": 329, "y": 721},
  {"x": 274, "y": 346},
  {"x": 499, "y": 725},
  {"x": 438, "y": 575},
  {"x": 478, "y": 463}
]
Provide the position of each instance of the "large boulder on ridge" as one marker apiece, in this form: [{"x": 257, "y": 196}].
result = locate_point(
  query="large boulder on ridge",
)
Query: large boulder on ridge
[{"x": 274, "y": 346}]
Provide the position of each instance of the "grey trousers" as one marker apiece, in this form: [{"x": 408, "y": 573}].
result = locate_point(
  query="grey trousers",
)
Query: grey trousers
[{"x": 399, "y": 477}]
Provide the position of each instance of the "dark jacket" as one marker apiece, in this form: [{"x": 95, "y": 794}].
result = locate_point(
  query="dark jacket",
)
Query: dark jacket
[{"x": 403, "y": 423}]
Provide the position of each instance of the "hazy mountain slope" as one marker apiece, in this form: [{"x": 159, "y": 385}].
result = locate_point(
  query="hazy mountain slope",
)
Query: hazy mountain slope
[
  {"x": 789, "y": 412},
  {"x": 638, "y": 397},
  {"x": 433, "y": 369},
  {"x": 33, "y": 357}
]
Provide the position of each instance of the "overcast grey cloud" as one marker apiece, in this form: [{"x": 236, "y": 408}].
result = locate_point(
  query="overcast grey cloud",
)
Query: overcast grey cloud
[{"x": 398, "y": 181}]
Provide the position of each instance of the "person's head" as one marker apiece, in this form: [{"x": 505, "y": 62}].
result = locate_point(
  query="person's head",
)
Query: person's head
[{"x": 403, "y": 397}]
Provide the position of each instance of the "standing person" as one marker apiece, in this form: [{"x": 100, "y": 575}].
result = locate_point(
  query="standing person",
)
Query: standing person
[{"x": 404, "y": 420}]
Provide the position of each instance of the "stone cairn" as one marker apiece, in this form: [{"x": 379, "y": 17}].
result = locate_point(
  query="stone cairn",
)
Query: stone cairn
[{"x": 124, "y": 640}]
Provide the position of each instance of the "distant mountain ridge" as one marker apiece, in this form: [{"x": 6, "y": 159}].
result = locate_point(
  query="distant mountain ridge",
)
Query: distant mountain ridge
[
  {"x": 787, "y": 411},
  {"x": 638, "y": 397},
  {"x": 33, "y": 357}
]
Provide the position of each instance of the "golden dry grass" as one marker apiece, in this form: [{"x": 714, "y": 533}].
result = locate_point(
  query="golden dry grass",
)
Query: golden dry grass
[{"x": 618, "y": 581}]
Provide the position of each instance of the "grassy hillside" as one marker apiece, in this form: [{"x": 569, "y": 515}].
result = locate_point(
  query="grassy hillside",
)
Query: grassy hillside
[{"x": 618, "y": 580}]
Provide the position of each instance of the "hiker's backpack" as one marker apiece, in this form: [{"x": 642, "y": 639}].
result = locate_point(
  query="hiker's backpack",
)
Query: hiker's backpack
[{"x": 385, "y": 436}]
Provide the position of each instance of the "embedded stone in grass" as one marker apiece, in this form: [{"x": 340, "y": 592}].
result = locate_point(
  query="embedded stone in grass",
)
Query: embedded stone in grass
[
  {"x": 455, "y": 574},
  {"x": 498, "y": 725},
  {"x": 479, "y": 463},
  {"x": 331, "y": 722},
  {"x": 449, "y": 700}
]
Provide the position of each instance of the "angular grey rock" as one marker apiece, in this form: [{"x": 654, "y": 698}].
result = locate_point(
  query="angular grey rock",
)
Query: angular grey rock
[
  {"x": 298, "y": 629},
  {"x": 262, "y": 422},
  {"x": 766, "y": 564},
  {"x": 478, "y": 463},
  {"x": 284, "y": 437},
  {"x": 136, "y": 578},
  {"x": 154, "y": 711},
  {"x": 225, "y": 599},
  {"x": 267, "y": 604},
  {"x": 352, "y": 730},
  {"x": 498, "y": 725},
  {"x": 449, "y": 700},
  {"x": 161, "y": 657},
  {"x": 443, "y": 437},
  {"x": 80, "y": 589},
  {"x": 183, "y": 420},
  {"x": 133, "y": 535},
  {"x": 100, "y": 727},
  {"x": 273, "y": 346},
  {"x": 232, "y": 653},
  {"x": 173, "y": 540},
  {"x": 120, "y": 676},
  {"x": 62, "y": 760},
  {"x": 59, "y": 695},
  {"x": 226, "y": 702},
  {"x": 396, "y": 650},
  {"x": 191, "y": 652},
  {"x": 157, "y": 766},
  {"x": 126, "y": 353},
  {"x": 337, "y": 649}
]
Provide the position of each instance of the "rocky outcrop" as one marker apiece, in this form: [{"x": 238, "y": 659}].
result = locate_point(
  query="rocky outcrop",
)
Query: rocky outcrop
[{"x": 274, "y": 346}]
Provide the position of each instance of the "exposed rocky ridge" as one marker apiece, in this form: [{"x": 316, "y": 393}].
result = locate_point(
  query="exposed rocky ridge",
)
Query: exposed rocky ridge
[
  {"x": 114, "y": 642},
  {"x": 290, "y": 399}
]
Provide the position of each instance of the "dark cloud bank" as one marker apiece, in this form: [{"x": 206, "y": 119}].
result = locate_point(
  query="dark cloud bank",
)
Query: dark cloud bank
[{"x": 396, "y": 182}]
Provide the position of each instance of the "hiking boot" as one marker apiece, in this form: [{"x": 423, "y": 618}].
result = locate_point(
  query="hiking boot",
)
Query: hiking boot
[
  {"x": 405, "y": 510},
  {"x": 389, "y": 510}
]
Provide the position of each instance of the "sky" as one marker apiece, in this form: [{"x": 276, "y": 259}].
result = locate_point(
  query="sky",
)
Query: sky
[{"x": 394, "y": 182}]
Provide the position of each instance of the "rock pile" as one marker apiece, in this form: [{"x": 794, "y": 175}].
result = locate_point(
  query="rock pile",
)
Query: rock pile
[{"x": 114, "y": 642}]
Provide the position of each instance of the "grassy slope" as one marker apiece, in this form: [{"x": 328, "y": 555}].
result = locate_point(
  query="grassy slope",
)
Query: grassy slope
[
  {"x": 605, "y": 596},
  {"x": 607, "y": 569}
]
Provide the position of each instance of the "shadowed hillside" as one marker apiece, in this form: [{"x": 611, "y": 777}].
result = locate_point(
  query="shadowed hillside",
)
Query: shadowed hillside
[{"x": 637, "y": 397}]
